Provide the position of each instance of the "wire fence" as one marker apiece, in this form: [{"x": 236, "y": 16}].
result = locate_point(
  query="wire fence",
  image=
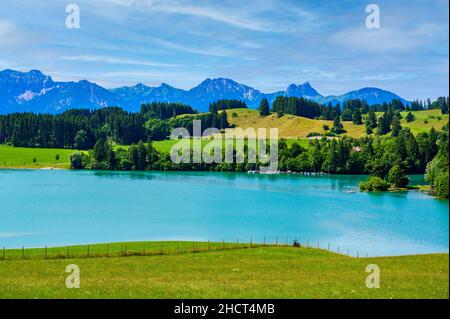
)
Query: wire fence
[{"x": 161, "y": 248}]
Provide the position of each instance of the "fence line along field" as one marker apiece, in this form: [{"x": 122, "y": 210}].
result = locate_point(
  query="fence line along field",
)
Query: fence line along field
[{"x": 259, "y": 272}]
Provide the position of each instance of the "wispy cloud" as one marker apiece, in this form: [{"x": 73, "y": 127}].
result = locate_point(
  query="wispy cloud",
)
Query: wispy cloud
[
  {"x": 216, "y": 51},
  {"x": 113, "y": 60},
  {"x": 386, "y": 38},
  {"x": 220, "y": 15}
]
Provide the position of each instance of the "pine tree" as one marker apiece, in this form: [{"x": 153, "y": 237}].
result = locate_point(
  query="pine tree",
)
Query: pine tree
[
  {"x": 338, "y": 128},
  {"x": 396, "y": 126},
  {"x": 410, "y": 117},
  {"x": 357, "y": 117},
  {"x": 264, "y": 108}
]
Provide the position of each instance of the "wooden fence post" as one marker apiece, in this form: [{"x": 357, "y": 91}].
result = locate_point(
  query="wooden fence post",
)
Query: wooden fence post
[
  {"x": 23, "y": 252},
  {"x": 88, "y": 252},
  {"x": 3, "y": 254},
  {"x": 46, "y": 253}
]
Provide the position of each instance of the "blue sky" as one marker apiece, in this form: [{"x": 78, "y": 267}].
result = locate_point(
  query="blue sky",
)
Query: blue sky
[{"x": 265, "y": 44}]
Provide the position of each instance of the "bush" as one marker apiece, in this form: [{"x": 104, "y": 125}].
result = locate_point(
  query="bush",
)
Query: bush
[
  {"x": 77, "y": 160},
  {"x": 374, "y": 184}
]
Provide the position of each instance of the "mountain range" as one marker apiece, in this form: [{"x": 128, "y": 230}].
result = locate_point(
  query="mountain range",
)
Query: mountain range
[{"x": 36, "y": 92}]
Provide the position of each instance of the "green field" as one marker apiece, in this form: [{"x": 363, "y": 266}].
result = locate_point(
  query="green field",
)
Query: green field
[
  {"x": 19, "y": 157},
  {"x": 264, "y": 272}
]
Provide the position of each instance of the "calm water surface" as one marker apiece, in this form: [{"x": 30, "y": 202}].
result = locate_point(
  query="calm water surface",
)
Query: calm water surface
[{"x": 41, "y": 208}]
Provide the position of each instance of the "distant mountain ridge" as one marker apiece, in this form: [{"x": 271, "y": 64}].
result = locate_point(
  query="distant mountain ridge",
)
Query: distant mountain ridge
[{"x": 36, "y": 92}]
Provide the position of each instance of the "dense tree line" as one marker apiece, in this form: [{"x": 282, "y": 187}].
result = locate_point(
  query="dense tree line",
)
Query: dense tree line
[
  {"x": 80, "y": 128},
  {"x": 72, "y": 129},
  {"x": 305, "y": 108},
  {"x": 157, "y": 129},
  {"x": 164, "y": 111},
  {"x": 222, "y": 105}
]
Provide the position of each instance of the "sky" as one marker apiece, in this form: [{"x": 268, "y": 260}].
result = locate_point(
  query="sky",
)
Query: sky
[{"x": 264, "y": 44}]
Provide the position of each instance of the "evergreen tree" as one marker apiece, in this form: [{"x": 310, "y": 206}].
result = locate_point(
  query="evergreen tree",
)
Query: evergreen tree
[
  {"x": 264, "y": 108},
  {"x": 337, "y": 128},
  {"x": 357, "y": 117},
  {"x": 410, "y": 117},
  {"x": 396, "y": 126},
  {"x": 100, "y": 150}
]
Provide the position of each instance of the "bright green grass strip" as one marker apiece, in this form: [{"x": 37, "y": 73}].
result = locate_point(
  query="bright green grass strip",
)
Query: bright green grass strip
[
  {"x": 20, "y": 157},
  {"x": 265, "y": 272}
]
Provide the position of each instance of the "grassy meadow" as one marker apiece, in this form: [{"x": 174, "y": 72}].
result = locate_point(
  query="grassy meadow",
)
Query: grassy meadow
[
  {"x": 20, "y": 157},
  {"x": 263, "y": 272}
]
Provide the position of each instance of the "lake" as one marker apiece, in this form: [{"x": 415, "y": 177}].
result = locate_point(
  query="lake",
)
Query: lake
[{"x": 43, "y": 207}]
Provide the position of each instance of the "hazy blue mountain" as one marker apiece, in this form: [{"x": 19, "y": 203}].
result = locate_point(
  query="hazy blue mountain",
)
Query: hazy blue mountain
[
  {"x": 35, "y": 92},
  {"x": 212, "y": 90},
  {"x": 370, "y": 95},
  {"x": 134, "y": 96}
]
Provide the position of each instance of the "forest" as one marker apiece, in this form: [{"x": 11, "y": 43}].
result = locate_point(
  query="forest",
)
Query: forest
[{"x": 391, "y": 146}]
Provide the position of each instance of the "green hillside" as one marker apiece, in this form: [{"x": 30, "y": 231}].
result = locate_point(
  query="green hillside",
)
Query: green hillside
[{"x": 291, "y": 126}]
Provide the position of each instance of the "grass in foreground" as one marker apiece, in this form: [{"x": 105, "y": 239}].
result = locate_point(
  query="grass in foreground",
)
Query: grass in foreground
[
  {"x": 20, "y": 157},
  {"x": 264, "y": 272}
]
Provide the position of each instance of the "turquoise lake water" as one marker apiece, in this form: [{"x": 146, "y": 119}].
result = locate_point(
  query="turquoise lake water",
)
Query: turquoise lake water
[{"x": 40, "y": 207}]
